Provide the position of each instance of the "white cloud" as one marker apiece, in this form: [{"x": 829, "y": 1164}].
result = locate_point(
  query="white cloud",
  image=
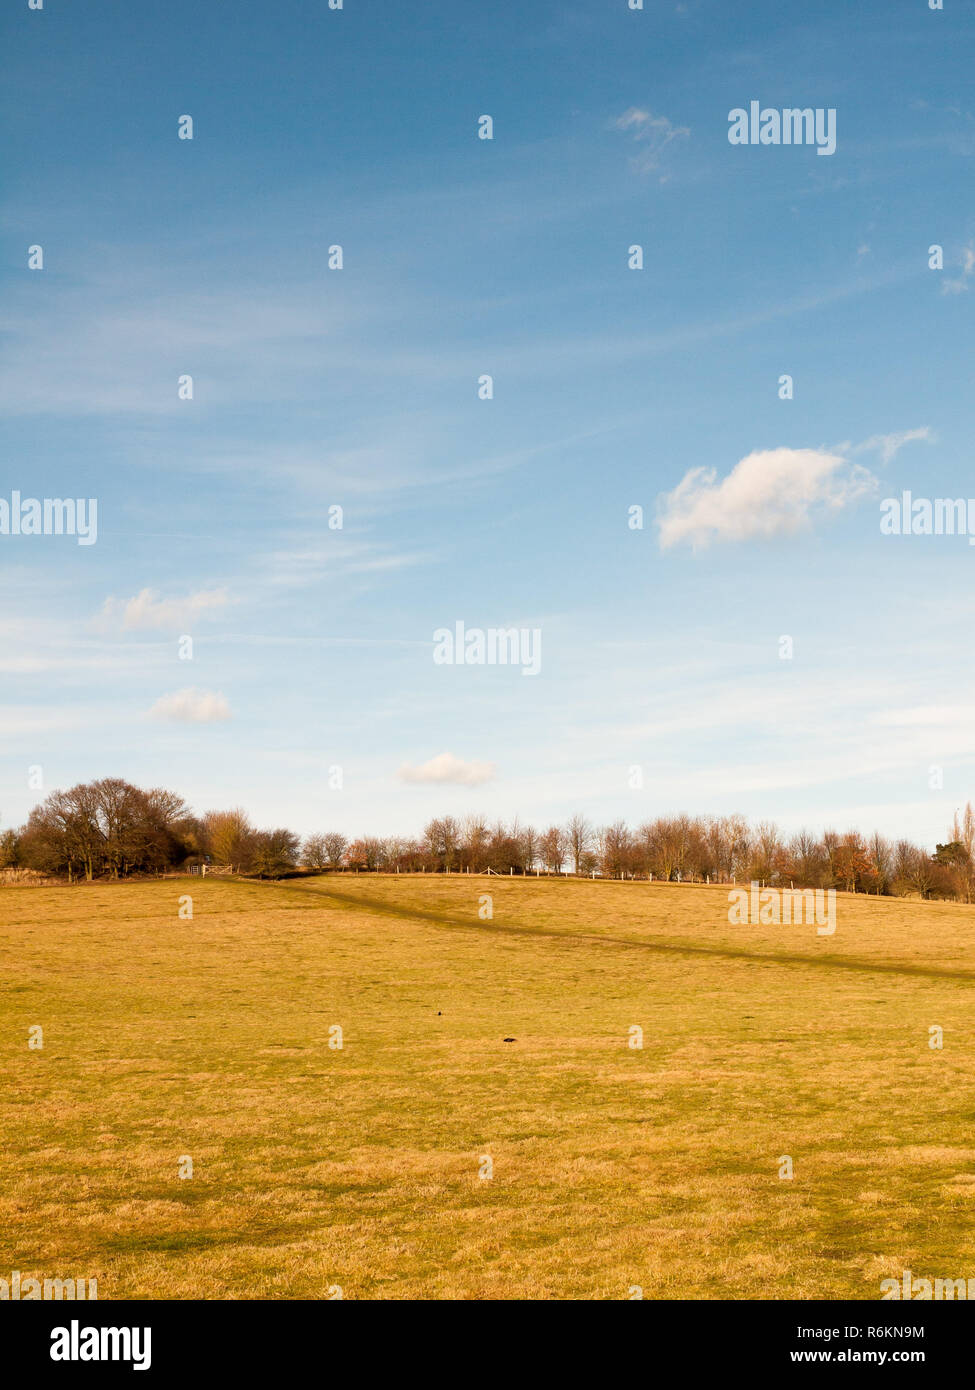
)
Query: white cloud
[
  {"x": 654, "y": 132},
  {"x": 148, "y": 611},
  {"x": 967, "y": 267},
  {"x": 446, "y": 768},
  {"x": 768, "y": 493},
  {"x": 890, "y": 444},
  {"x": 191, "y": 706},
  {"x": 633, "y": 117}
]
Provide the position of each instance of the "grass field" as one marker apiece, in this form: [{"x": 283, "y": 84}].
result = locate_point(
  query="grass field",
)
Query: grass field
[{"x": 359, "y": 1167}]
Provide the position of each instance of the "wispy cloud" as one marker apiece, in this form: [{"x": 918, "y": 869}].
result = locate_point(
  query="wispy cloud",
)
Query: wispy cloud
[
  {"x": 446, "y": 768},
  {"x": 148, "y": 612},
  {"x": 192, "y": 706},
  {"x": 299, "y": 567},
  {"x": 110, "y": 345},
  {"x": 960, "y": 285},
  {"x": 889, "y": 445},
  {"x": 653, "y": 133}
]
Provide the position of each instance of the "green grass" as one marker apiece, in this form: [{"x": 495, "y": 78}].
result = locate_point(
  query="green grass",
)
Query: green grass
[{"x": 613, "y": 1167}]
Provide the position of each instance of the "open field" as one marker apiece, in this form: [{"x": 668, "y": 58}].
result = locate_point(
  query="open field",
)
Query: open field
[{"x": 359, "y": 1167}]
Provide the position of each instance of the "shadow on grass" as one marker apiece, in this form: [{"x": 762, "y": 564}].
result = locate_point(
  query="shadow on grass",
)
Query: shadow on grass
[{"x": 788, "y": 959}]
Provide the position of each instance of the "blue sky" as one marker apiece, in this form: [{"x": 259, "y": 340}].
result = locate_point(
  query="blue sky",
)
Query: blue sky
[{"x": 358, "y": 388}]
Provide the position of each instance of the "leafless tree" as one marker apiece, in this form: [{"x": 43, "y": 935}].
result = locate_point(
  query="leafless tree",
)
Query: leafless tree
[
  {"x": 578, "y": 835},
  {"x": 551, "y": 848}
]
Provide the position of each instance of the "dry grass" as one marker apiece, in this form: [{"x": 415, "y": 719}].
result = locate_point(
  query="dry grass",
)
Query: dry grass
[
  {"x": 613, "y": 1167},
  {"x": 25, "y": 878}
]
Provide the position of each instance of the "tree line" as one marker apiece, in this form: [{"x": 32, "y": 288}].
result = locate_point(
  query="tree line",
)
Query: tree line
[{"x": 112, "y": 829}]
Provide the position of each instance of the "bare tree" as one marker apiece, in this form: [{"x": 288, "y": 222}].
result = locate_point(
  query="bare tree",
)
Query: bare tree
[
  {"x": 335, "y": 847},
  {"x": 443, "y": 839},
  {"x": 617, "y": 849},
  {"x": 883, "y": 857},
  {"x": 529, "y": 847},
  {"x": 766, "y": 852},
  {"x": 805, "y": 858},
  {"x": 740, "y": 845},
  {"x": 578, "y": 834},
  {"x": 718, "y": 842},
  {"x": 963, "y": 834},
  {"x": 314, "y": 855},
  {"x": 475, "y": 839},
  {"x": 831, "y": 843},
  {"x": 551, "y": 848}
]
